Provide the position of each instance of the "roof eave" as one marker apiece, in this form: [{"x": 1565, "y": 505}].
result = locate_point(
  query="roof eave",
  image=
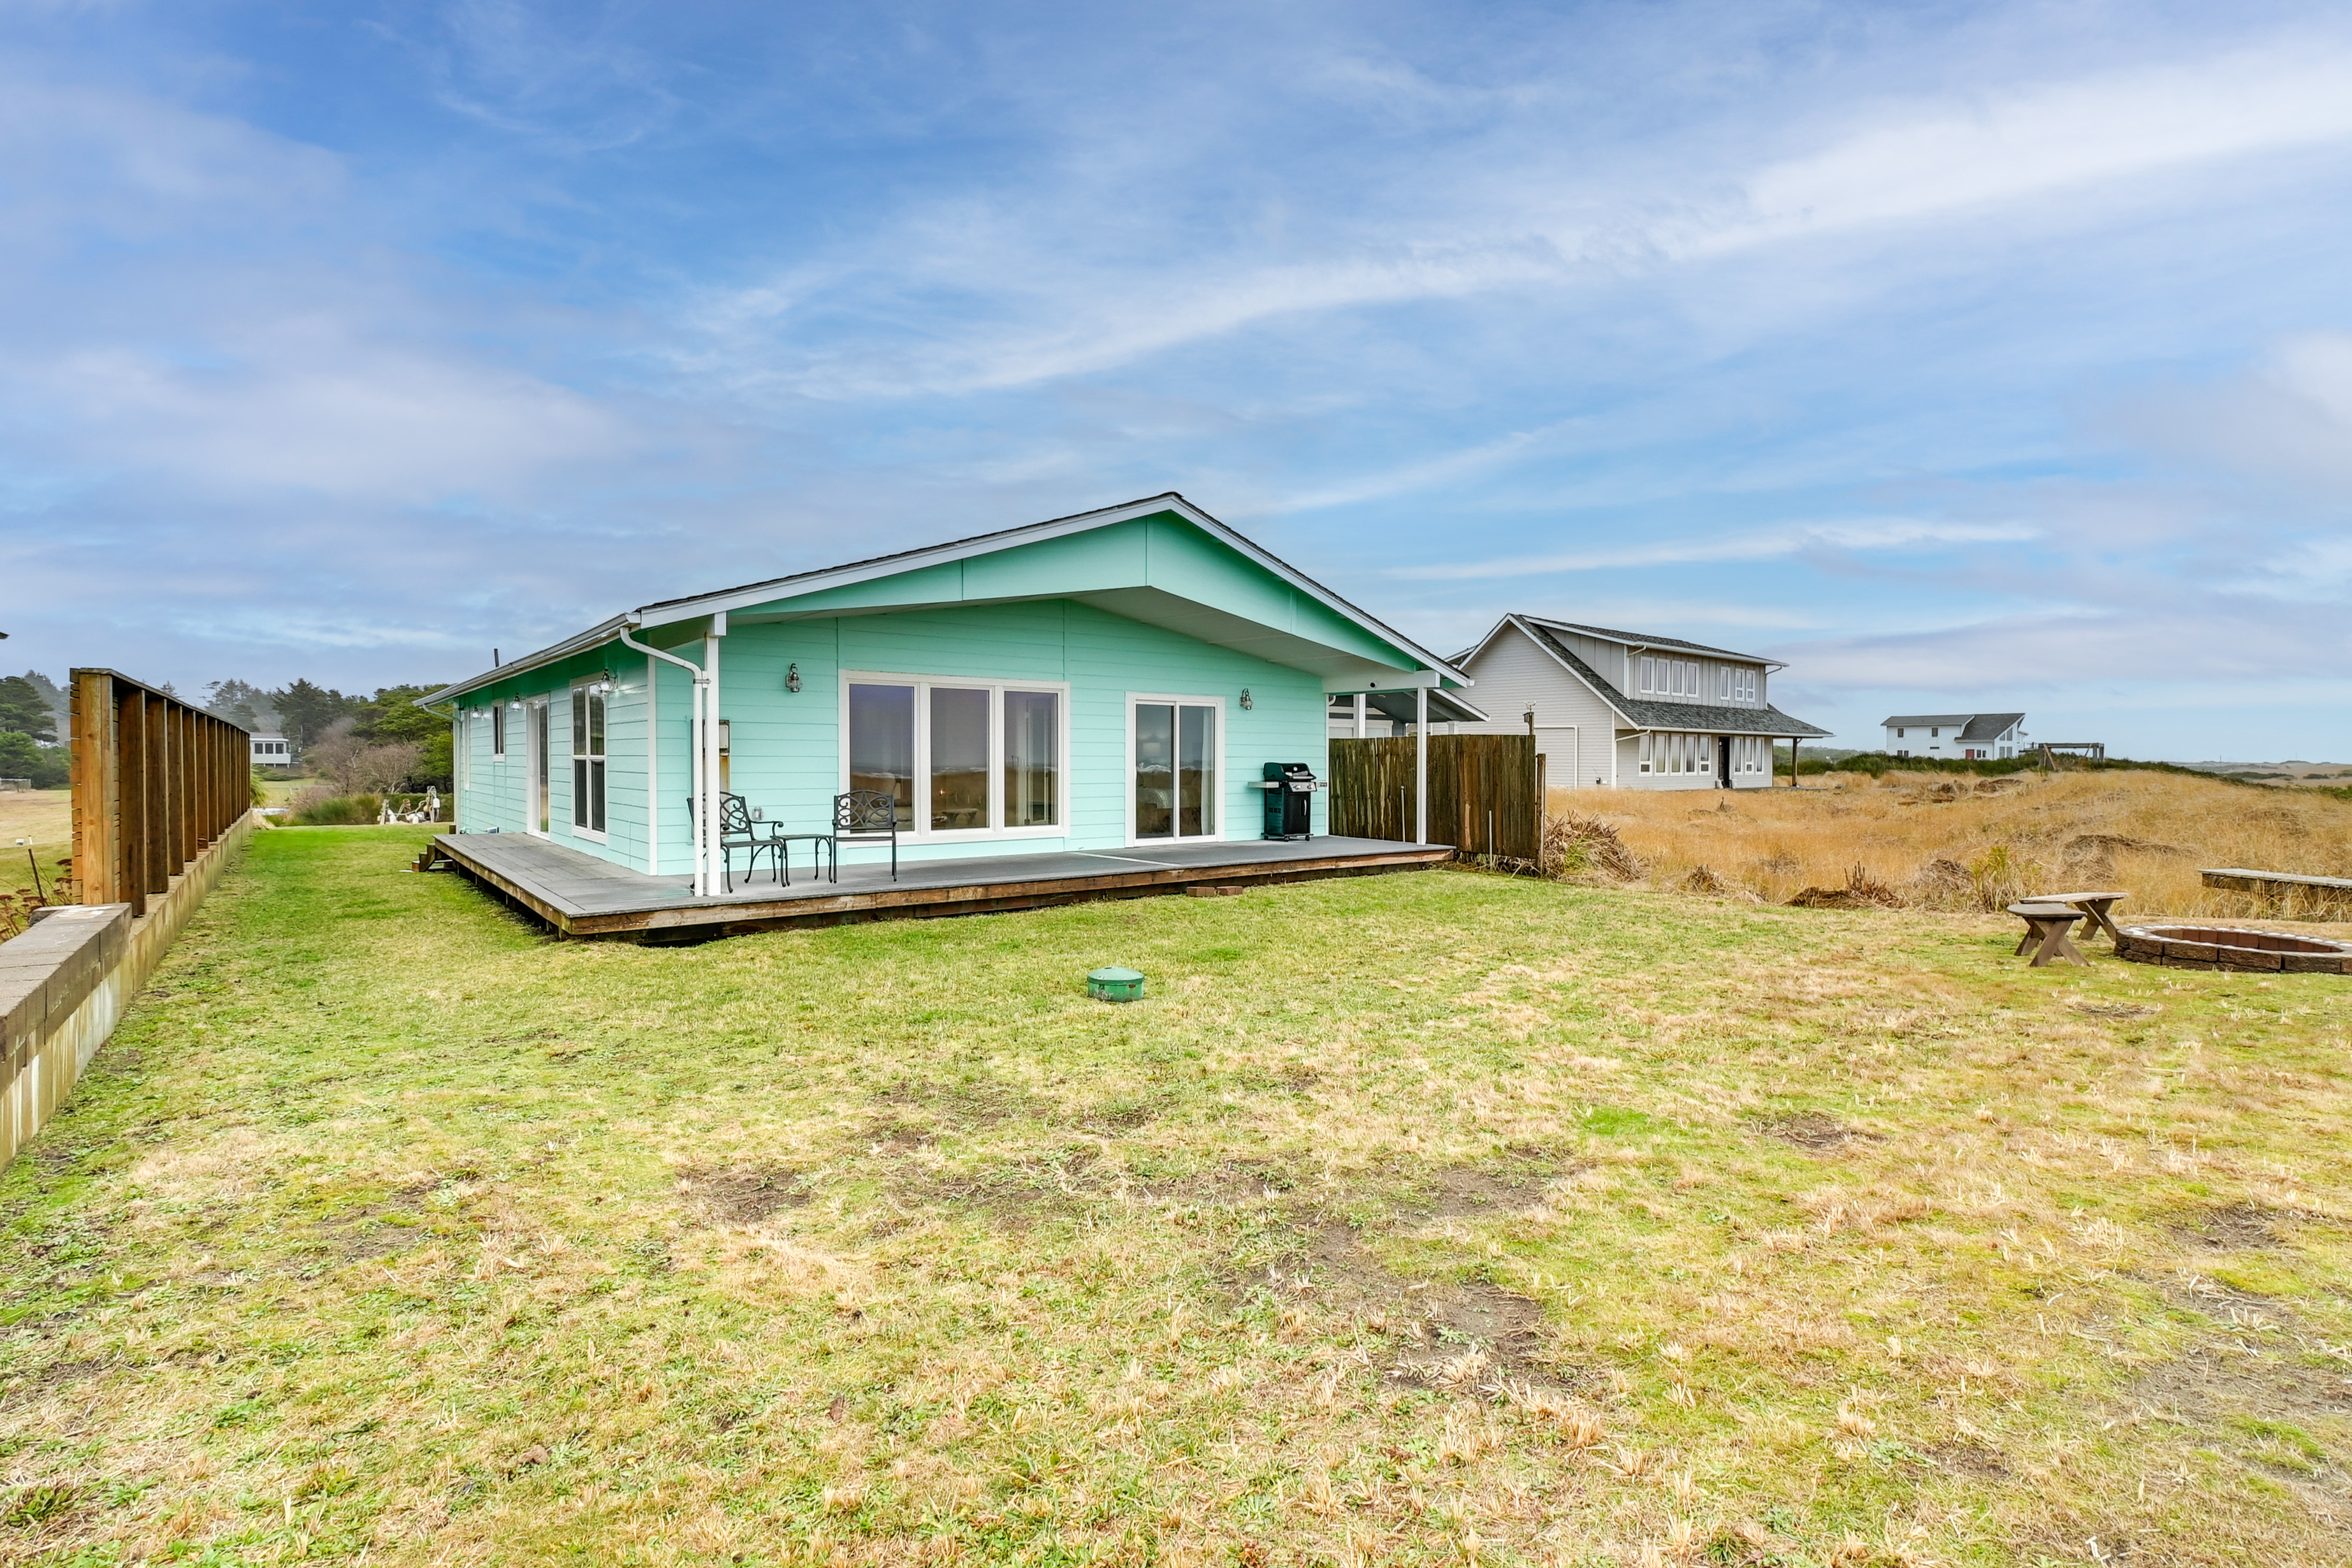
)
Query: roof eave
[
  {"x": 672, "y": 610},
  {"x": 596, "y": 635}
]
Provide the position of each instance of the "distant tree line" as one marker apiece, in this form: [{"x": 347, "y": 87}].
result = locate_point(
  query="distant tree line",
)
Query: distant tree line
[{"x": 383, "y": 741}]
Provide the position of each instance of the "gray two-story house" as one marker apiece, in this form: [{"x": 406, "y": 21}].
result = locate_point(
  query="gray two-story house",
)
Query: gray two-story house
[{"x": 1624, "y": 711}]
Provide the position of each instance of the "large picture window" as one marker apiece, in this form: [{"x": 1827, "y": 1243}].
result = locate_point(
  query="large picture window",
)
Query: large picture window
[
  {"x": 588, "y": 758},
  {"x": 959, "y": 757}
]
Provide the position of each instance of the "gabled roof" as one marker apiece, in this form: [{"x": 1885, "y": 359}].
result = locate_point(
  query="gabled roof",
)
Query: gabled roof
[
  {"x": 750, "y": 596},
  {"x": 1973, "y": 726},
  {"x": 1642, "y": 640},
  {"x": 1646, "y": 713}
]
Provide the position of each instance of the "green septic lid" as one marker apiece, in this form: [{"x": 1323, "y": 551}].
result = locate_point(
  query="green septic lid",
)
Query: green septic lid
[{"x": 1116, "y": 976}]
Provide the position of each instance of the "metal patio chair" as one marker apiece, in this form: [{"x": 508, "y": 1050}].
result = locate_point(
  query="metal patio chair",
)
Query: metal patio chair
[
  {"x": 738, "y": 831},
  {"x": 864, "y": 817}
]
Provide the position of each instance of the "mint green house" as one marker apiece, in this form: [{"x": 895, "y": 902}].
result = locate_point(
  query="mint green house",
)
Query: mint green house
[{"x": 1114, "y": 678}]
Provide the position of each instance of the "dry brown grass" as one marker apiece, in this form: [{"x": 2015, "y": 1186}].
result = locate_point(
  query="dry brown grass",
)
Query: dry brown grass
[
  {"x": 45, "y": 817},
  {"x": 1962, "y": 844}
]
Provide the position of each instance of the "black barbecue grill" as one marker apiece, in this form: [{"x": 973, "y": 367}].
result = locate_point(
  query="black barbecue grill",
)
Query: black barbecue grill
[{"x": 1289, "y": 800}]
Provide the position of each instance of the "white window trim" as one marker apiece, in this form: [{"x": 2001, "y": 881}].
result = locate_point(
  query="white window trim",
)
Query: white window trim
[
  {"x": 1226, "y": 827},
  {"x": 603, "y": 685},
  {"x": 500, "y": 727},
  {"x": 531, "y": 808},
  {"x": 996, "y": 686}
]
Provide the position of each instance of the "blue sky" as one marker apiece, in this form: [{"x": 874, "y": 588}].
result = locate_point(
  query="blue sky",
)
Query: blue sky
[{"x": 1961, "y": 356}]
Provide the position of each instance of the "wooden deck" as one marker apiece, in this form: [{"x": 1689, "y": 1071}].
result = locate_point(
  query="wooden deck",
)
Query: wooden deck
[{"x": 581, "y": 896}]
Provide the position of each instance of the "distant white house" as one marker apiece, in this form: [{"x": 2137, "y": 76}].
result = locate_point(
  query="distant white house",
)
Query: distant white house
[
  {"x": 272, "y": 751},
  {"x": 1964, "y": 736},
  {"x": 1614, "y": 709}
]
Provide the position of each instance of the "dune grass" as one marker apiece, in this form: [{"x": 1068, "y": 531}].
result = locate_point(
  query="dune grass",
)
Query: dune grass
[
  {"x": 1418, "y": 1219},
  {"x": 2146, "y": 831}
]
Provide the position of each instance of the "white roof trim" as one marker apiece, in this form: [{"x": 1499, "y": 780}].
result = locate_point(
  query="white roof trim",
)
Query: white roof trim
[
  {"x": 692, "y": 608},
  {"x": 1608, "y": 700}
]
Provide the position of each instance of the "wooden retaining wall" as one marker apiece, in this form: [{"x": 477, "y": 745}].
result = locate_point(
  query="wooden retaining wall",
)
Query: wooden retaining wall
[{"x": 162, "y": 797}]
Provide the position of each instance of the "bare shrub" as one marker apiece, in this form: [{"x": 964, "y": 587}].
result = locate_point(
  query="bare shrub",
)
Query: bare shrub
[
  {"x": 1862, "y": 892},
  {"x": 1577, "y": 846},
  {"x": 1942, "y": 883},
  {"x": 359, "y": 768}
]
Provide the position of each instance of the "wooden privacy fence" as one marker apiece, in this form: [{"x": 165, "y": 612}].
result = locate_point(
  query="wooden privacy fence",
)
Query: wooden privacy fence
[
  {"x": 155, "y": 782},
  {"x": 1484, "y": 797}
]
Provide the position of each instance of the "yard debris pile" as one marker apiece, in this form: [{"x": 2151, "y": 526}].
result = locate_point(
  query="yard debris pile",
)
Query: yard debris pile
[
  {"x": 1862, "y": 892},
  {"x": 1577, "y": 848}
]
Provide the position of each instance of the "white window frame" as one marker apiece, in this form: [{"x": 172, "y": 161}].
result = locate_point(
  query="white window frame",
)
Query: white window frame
[
  {"x": 1225, "y": 827},
  {"x": 499, "y": 729},
  {"x": 996, "y": 686},
  {"x": 596, "y": 687}
]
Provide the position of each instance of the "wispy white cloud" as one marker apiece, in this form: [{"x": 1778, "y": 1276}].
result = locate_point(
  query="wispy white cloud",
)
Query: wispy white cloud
[
  {"x": 1766, "y": 544},
  {"x": 1039, "y": 313},
  {"x": 1921, "y": 162}
]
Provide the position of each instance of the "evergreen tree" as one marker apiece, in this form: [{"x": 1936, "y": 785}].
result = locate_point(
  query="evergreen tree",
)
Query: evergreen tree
[
  {"x": 25, "y": 712},
  {"x": 60, "y": 710},
  {"x": 305, "y": 711}
]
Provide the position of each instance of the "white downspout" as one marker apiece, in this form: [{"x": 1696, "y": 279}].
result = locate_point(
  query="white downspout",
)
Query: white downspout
[
  {"x": 713, "y": 786},
  {"x": 1421, "y": 765},
  {"x": 696, "y": 729}
]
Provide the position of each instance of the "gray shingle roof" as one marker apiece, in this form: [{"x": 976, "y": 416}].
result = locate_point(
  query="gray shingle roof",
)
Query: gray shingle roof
[
  {"x": 1708, "y": 718},
  {"x": 1638, "y": 639}
]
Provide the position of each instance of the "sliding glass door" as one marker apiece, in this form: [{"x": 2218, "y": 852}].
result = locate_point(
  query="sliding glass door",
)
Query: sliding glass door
[{"x": 1175, "y": 746}]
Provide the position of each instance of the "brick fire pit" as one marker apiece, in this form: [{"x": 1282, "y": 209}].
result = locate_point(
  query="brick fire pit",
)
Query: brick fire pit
[{"x": 2233, "y": 947}]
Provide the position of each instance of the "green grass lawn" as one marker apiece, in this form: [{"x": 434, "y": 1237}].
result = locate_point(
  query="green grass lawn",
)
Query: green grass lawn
[{"x": 1429, "y": 1218}]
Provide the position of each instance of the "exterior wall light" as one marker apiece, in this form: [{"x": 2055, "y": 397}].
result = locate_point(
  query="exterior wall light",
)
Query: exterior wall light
[
  {"x": 793, "y": 679},
  {"x": 1245, "y": 699},
  {"x": 724, "y": 737}
]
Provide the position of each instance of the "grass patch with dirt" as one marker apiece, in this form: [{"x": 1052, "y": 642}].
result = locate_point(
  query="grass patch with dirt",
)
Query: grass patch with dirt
[{"x": 1430, "y": 1218}]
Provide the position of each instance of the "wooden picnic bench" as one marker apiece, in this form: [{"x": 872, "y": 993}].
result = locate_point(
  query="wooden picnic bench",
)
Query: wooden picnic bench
[
  {"x": 2094, "y": 906},
  {"x": 2045, "y": 932},
  {"x": 2281, "y": 886}
]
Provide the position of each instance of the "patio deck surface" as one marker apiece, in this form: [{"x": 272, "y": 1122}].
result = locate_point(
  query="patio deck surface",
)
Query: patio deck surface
[{"x": 581, "y": 895}]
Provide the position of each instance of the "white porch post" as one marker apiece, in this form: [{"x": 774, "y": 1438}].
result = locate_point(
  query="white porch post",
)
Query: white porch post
[
  {"x": 1362, "y": 704},
  {"x": 1421, "y": 765},
  {"x": 653, "y": 766},
  {"x": 707, "y": 819}
]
